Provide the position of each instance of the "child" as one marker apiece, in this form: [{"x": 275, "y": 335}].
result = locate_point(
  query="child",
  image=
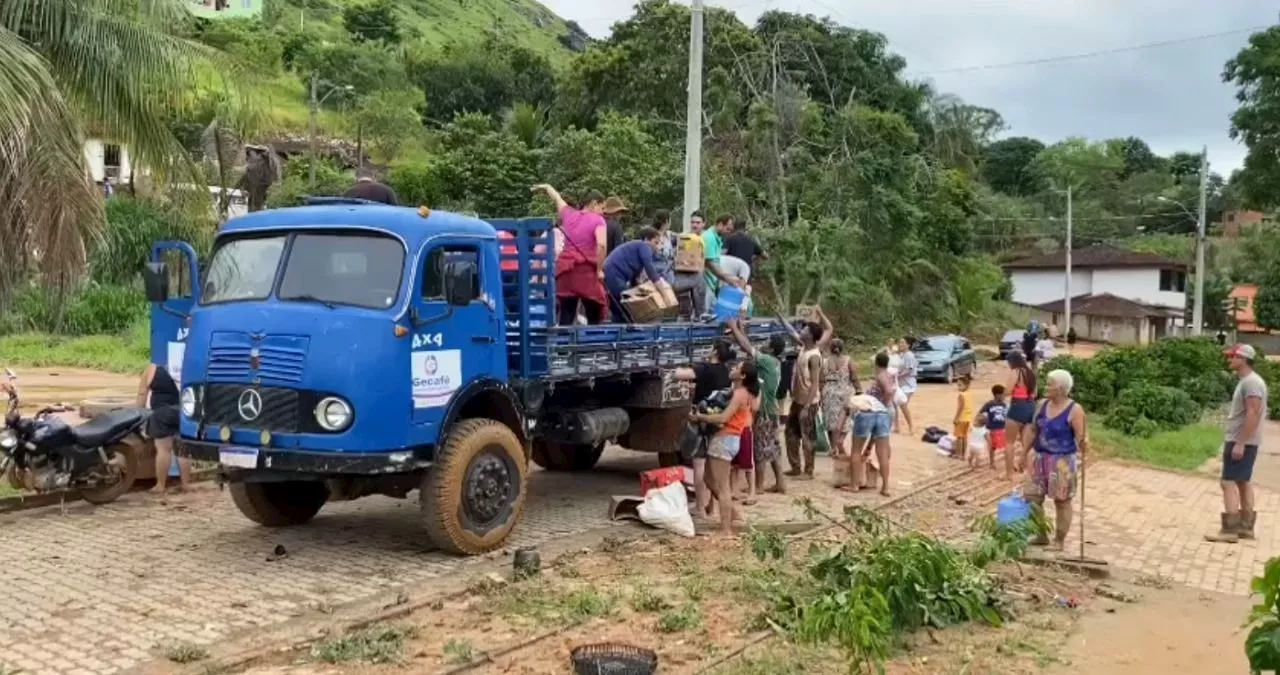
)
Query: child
[
  {"x": 964, "y": 416},
  {"x": 993, "y": 414}
]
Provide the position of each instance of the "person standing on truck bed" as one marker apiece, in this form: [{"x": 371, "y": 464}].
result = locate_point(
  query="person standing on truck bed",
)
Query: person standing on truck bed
[
  {"x": 713, "y": 249},
  {"x": 614, "y": 235},
  {"x": 624, "y": 267},
  {"x": 369, "y": 189},
  {"x": 580, "y": 264},
  {"x": 744, "y": 247}
]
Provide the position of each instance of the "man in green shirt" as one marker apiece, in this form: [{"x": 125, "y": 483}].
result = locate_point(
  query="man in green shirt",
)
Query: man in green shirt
[
  {"x": 713, "y": 248},
  {"x": 768, "y": 450}
]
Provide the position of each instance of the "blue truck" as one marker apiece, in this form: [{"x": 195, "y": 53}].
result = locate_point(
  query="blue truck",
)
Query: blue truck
[{"x": 344, "y": 349}]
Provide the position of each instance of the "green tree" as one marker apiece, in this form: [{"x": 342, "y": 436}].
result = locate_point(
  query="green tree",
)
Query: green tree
[
  {"x": 1137, "y": 155},
  {"x": 374, "y": 21},
  {"x": 488, "y": 78},
  {"x": 1266, "y": 304},
  {"x": 389, "y": 119},
  {"x": 365, "y": 67},
  {"x": 960, "y": 131},
  {"x": 619, "y": 157},
  {"x": 485, "y": 170},
  {"x": 1007, "y": 166},
  {"x": 1255, "y": 72},
  {"x": 113, "y": 66}
]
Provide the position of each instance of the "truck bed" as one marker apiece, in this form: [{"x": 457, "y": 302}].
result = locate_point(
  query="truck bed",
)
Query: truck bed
[{"x": 537, "y": 349}]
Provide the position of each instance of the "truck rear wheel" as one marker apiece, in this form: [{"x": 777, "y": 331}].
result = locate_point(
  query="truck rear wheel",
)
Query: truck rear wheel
[
  {"x": 474, "y": 494},
  {"x": 280, "y": 504},
  {"x": 557, "y": 456}
]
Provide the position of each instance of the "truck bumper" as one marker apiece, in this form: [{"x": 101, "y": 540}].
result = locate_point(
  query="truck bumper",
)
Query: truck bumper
[{"x": 302, "y": 461}]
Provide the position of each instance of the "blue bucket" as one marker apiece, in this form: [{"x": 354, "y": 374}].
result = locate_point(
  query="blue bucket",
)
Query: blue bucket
[
  {"x": 1012, "y": 509},
  {"x": 729, "y": 304}
]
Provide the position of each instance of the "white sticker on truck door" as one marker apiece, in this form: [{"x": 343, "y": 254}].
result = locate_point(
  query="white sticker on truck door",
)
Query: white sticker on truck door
[
  {"x": 436, "y": 376},
  {"x": 173, "y": 364}
]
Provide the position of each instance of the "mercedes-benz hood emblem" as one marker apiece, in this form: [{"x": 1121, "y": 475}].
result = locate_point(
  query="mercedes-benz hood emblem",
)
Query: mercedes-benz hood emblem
[{"x": 249, "y": 405}]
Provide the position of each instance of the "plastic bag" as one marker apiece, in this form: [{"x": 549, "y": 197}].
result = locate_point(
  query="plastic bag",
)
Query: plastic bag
[
  {"x": 899, "y": 396},
  {"x": 946, "y": 445},
  {"x": 667, "y": 508},
  {"x": 821, "y": 441}
]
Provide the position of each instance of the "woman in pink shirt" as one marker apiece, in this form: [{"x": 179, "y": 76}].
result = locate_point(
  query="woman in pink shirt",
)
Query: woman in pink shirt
[{"x": 580, "y": 264}]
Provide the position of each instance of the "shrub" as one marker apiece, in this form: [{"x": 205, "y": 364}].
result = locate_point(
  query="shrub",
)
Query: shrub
[
  {"x": 1126, "y": 419},
  {"x": 1094, "y": 385},
  {"x": 1167, "y": 407},
  {"x": 95, "y": 309},
  {"x": 1129, "y": 366},
  {"x": 1210, "y": 389},
  {"x": 417, "y": 184},
  {"x": 133, "y": 225},
  {"x": 1176, "y": 359}
]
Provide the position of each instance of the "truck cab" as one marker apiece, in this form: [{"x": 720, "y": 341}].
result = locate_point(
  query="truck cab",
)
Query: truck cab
[{"x": 340, "y": 350}]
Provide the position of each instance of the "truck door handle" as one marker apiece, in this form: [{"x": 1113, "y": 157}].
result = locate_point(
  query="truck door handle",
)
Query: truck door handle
[{"x": 483, "y": 339}]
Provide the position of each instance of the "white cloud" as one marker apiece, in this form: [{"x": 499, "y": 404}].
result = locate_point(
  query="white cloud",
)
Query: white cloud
[{"x": 1171, "y": 96}]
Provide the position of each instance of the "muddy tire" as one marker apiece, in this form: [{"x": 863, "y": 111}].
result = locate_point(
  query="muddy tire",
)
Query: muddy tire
[
  {"x": 124, "y": 463},
  {"x": 474, "y": 493},
  {"x": 555, "y": 456},
  {"x": 280, "y": 504}
]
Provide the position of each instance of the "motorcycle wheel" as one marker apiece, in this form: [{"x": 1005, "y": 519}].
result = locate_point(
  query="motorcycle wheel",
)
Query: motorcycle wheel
[{"x": 123, "y": 460}]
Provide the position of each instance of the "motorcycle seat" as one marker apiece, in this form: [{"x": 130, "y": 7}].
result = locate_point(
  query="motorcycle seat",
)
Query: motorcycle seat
[{"x": 108, "y": 427}]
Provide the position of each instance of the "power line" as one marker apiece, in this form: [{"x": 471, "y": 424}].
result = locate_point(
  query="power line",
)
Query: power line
[{"x": 1090, "y": 55}]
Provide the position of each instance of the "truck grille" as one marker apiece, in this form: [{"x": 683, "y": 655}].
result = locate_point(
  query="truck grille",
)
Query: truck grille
[
  {"x": 281, "y": 358},
  {"x": 279, "y": 408}
]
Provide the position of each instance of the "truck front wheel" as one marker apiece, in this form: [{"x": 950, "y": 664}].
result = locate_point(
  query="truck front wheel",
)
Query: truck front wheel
[
  {"x": 556, "y": 456},
  {"x": 280, "y": 504},
  {"x": 473, "y": 495}
]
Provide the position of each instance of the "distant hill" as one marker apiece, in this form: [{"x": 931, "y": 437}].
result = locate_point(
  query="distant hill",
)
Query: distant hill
[{"x": 428, "y": 25}]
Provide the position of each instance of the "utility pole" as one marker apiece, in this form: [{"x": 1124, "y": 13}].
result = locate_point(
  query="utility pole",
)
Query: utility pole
[
  {"x": 1197, "y": 309},
  {"x": 315, "y": 111},
  {"x": 693, "y": 119},
  {"x": 1066, "y": 303}
]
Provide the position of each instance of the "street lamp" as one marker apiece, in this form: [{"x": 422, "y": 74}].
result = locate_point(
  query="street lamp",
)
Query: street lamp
[
  {"x": 316, "y": 101},
  {"x": 1197, "y": 307}
]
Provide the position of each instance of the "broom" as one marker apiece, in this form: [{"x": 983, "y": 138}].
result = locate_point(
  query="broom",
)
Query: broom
[{"x": 1082, "y": 559}]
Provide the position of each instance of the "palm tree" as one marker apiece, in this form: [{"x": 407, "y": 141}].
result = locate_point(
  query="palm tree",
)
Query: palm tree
[{"x": 117, "y": 67}]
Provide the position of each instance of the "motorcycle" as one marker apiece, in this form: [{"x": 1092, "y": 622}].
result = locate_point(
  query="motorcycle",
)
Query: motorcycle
[{"x": 44, "y": 454}]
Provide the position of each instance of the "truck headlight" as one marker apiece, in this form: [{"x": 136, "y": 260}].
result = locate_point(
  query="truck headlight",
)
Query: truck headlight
[
  {"x": 8, "y": 439},
  {"x": 333, "y": 414},
  {"x": 188, "y": 402}
]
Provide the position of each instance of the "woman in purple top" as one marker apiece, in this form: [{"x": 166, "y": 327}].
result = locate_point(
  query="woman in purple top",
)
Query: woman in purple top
[{"x": 1060, "y": 441}]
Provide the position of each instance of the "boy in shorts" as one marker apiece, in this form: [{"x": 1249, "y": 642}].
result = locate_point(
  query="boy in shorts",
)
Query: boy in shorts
[{"x": 992, "y": 415}]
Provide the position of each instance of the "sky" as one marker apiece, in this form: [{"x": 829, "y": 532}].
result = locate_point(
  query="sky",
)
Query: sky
[{"x": 1171, "y": 96}]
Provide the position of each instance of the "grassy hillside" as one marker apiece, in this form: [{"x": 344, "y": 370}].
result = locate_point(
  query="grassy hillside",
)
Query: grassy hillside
[{"x": 428, "y": 26}]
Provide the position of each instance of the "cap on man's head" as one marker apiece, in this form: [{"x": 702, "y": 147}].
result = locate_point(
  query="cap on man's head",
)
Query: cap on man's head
[
  {"x": 1243, "y": 351},
  {"x": 614, "y": 205}
]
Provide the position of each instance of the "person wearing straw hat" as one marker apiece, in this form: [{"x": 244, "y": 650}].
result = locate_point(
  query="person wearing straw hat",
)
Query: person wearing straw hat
[{"x": 613, "y": 208}]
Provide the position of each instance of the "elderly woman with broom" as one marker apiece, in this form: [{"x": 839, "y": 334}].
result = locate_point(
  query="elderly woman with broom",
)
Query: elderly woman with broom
[{"x": 1059, "y": 443}]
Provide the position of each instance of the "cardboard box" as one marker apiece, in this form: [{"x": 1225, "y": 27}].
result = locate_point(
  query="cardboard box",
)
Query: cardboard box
[
  {"x": 645, "y": 304},
  {"x": 807, "y": 312},
  {"x": 690, "y": 253}
]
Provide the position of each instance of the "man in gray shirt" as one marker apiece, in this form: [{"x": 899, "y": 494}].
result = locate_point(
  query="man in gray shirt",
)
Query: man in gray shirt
[{"x": 1240, "y": 448}]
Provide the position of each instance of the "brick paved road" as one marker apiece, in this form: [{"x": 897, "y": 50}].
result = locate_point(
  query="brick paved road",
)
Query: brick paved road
[
  {"x": 98, "y": 589},
  {"x": 1154, "y": 522}
]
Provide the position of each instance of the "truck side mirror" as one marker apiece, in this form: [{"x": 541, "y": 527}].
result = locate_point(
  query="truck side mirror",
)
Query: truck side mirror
[
  {"x": 155, "y": 278},
  {"x": 460, "y": 282}
]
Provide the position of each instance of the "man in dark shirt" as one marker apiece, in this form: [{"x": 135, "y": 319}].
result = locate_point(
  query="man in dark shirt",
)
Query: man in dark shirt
[
  {"x": 743, "y": 246},
  {"x": 633, "y": 262},
  {"x": 368, "y": 188},
  {"x": 614, "y": 236}
]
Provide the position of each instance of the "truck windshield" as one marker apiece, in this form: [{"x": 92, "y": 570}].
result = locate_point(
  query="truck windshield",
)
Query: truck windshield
[
  {"x": 332, "y": 269},
  {"x": 243, "y": 269},
  {"x": 343, "y": 269}
]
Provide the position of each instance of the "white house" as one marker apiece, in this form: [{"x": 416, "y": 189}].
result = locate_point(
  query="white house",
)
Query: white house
[
  {"x": 1117, "y": 296},
  {"x": 108, "y": 160}
]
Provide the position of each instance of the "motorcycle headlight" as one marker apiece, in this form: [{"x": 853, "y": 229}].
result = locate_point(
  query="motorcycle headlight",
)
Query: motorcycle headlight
[
  {"x": 8, "y": 439},
  {"x": 333, "y": 414},
  {"x": 188, "y": 402}
]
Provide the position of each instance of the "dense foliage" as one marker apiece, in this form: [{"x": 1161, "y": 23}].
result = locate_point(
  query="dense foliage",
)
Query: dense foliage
[
  {"x": 886, "y": 200},
  {"x": 1142, "y": 390}
]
